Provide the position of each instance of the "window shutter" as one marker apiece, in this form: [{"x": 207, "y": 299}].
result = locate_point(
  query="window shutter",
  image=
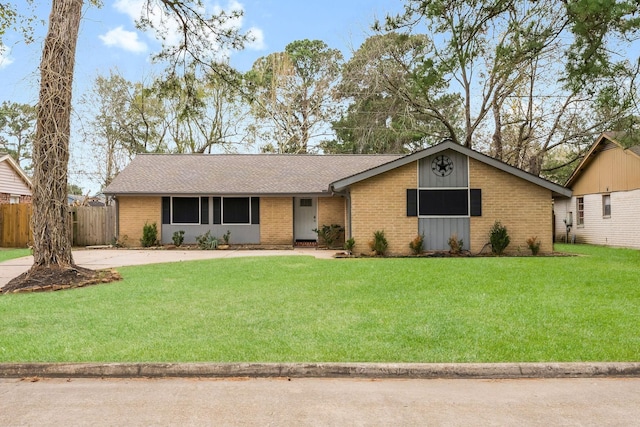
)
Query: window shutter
[
  {"x": 166, "y": 210},
  {"x": 412, "y": 202},
  {"x": 204, "y": 210},
  {"x": 255, "y": 210},
  {"x": 217, "y": 210},
  {"x": 476, "y": 202}
]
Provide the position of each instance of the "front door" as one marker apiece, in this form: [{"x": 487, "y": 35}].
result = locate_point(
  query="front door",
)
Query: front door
[{"x": 304, "y": 218}]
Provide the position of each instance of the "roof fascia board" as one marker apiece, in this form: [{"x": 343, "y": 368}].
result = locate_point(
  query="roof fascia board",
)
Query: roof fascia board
[
  {"x": 217, "y": 194},
  {"x": 585, "y": 160},
  {"x": 345, "y": 182}
]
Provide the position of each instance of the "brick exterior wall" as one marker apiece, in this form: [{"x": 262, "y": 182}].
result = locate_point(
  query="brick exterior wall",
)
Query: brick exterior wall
[
  {"x": 332, "y": 210},
  {"x": 276, "y": 220},
  {"x": 380, "y": 203},
  {"x": 133, "y": 213},
  {"x": 523, "y": 207},
  {"x": 5, "y": 198},
  {"x": 620, "y": 229}
]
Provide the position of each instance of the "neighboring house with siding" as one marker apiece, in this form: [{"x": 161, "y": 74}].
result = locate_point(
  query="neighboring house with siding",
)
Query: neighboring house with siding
[
  {"x": 272, "y": 199},
  {"x": 603, "y": 209},
  {"x": 15, "y": 185}
]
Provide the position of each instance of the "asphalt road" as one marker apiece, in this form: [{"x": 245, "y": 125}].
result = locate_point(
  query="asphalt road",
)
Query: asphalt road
[{"x": 319, "y": 402}]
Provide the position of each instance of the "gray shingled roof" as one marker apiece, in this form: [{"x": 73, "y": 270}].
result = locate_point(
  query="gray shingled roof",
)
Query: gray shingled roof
[{"x": 238, "y": 173}]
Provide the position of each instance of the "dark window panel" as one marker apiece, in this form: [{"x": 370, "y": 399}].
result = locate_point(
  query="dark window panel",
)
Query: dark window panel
[
  {"x": 186, "y": 210},
  {"x": 443, "y": 202},
  {"x": 412, "y": 202},
  {"x": 255, "y": 210},
  {"x": 235, "y": 210}
]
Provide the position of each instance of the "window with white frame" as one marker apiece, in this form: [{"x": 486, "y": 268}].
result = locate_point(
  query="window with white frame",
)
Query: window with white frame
[
  {"x": 579, "y": 211},
  {"x": 606, "y": 205},
  {"x": 14, "y": 199}
]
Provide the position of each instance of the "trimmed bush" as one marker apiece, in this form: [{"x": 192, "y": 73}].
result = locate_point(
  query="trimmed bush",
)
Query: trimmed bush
[
  {"x": 149, "y": 235},
  {"x": 178, "y": 237},
  {"x": 379, "y": 243},
  {"x": 499, "y": 238},
  {"x": 455, "y": 244},
  {"x": 417, "y": 244}
]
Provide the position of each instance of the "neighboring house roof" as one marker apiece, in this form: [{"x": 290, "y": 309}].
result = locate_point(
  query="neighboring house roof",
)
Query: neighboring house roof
[
  {"x": 601, "y": 142},
  {"x": 276, "y": 174},
  {"x": 556, "y": 189},
  {"x": 80, "y": 200},
  {"x": 8, "y": 183}
]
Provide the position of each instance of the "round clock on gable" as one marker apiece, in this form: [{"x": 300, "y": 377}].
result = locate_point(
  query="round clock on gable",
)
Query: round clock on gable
[{"x": 442, "y": 165}]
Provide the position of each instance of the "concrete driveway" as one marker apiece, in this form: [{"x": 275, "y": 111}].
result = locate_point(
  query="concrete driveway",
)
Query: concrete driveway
[{"x": 109, "y": 258}]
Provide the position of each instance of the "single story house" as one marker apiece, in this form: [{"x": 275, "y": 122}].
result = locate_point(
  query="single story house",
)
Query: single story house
[
  {"x": 15, "y": 185},
  {"x": 270, "y": 199},
  {"x": 605, "y": 202}
]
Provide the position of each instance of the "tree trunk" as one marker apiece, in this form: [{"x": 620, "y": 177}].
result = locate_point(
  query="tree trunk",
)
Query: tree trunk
[{"x": 50, "y": 220}]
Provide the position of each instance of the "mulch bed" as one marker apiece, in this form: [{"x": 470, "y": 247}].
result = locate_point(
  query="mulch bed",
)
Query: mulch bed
[{"x": 58, "y": 278}]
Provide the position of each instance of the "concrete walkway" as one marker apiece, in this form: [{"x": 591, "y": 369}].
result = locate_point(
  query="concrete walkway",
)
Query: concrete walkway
[{"x": 109, "y": 258}]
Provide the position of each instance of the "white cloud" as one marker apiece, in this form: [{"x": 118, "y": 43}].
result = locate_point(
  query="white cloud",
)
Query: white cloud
[
  {"x": 127, "y": 40},
  {"x": 5, "y": 59},
  {"x": 133, "y": 8},
  {"x": 258, "y": 39}
]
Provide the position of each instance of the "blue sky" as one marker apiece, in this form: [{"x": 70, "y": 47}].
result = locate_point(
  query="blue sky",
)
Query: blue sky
[{"x": 109, "y": 40}]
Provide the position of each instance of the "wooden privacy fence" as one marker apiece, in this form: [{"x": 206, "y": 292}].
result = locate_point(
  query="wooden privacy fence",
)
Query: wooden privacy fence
[
  {"x": 93, "y": 225},
  {"x": 90, "y": 225},
  {"x": 15, "y": 228}
]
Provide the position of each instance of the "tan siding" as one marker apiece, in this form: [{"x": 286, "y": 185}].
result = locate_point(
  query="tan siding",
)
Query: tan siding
[
  {"x": 11, "y": 182},
  {"x": 523, "y": 207},
  {"x": 133, "y": 213},
  {"x": 276, "y": 220},
  {"x": 379, "y": 203},
  {"x": 611, "y": 170}
]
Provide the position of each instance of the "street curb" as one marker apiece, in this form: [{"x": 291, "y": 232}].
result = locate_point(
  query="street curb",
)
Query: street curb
[{"x": 322, "y": 370}]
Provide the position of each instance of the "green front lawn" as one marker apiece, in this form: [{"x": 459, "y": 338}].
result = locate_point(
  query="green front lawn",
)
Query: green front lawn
[
  {"x": 264, "y": 309},
  {"x": 7, "y": 254}
]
